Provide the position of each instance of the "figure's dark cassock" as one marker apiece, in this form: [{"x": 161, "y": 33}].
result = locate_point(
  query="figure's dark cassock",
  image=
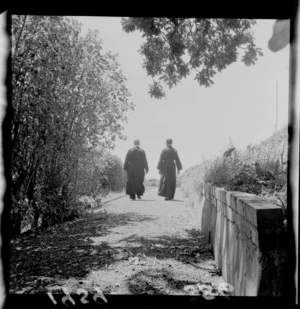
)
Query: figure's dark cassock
[
  {"x": 167, "y": 168},
  {"x": 135, "y": 164}
]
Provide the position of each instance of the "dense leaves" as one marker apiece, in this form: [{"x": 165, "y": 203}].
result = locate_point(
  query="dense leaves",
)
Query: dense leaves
[
  {"x": 175, "y": 47},
  {"x": 69, "y": 101},
  {"x": 100, "y": 174}
]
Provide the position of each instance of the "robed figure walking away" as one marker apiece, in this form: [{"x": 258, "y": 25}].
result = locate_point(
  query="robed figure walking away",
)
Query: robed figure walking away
[
  {"x": 135, "y": 165},
  {"x": 167, "y": 169}
]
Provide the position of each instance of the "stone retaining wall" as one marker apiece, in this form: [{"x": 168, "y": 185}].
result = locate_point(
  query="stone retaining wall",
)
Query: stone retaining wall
[{"x": 246, "y": 237}]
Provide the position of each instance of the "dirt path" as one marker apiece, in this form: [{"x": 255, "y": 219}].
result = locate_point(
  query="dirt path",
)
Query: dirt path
[{"x": 147, "y": 246}]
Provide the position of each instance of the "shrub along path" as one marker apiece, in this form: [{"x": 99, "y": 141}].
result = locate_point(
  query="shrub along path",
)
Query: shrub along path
[{"x": 126, "y": 247}]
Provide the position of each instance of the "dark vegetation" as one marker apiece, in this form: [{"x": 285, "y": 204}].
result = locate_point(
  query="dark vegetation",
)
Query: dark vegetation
[
  {"x": 260, "y": 169},
  {"x": 69, "y": 101},
  {"x": 177, "y": 47}
]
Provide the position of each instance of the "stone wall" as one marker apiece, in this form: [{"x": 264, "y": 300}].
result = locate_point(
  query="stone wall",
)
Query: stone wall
[{"x": 246, "y": 237}]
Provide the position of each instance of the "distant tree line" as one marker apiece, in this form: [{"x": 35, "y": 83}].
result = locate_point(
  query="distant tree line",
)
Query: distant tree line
[
  {"x": 152, "y": 182},
  {"x": 69, "y": 100}
]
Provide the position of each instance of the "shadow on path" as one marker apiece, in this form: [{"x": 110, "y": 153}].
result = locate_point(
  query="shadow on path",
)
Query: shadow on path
[
  {"x": 65, "y": 250},
  {"x": 160, "y": 282},
  {"x": 166, "y": 247}
]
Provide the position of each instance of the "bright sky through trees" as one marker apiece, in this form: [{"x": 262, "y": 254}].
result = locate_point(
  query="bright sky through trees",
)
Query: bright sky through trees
[{"x": 239, "y": 109}]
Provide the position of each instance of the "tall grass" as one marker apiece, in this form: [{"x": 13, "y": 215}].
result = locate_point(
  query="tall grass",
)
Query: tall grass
[{"x": 259, "y": 169}]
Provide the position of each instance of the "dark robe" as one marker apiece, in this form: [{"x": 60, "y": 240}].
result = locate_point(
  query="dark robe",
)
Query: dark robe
[
  {"x": 167, "y": 169},
  {"x": 135, "y": 164}
]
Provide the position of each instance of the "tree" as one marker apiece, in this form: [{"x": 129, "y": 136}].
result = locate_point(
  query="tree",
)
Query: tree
[
  {"x": 175, "y": 47},
  {"x": 116, "y": 176},
  {"x": 68, "y": 99},
  {"x": 99, "y": 173}
]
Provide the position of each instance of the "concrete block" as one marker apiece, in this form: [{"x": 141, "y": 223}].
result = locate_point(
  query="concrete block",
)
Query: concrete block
[
  {"x": 254, "y": 275},
  {"x": 223, "y": 196},
  {"x": 215, "y": 201},
  {"x": 270, "y": 218},
  {"x": 232, "y": 202},
  {"x": 217, "y": 193},
  {"x": 219, "y": 239},
  {"x": 239, "y": 222},
  {"x": 206, "y": 219},
  {"x": 240, "y": 206},
  {"x": 242, "y": 228},
  {"x": 236, "y": 228},
  {"x": 213, "y": 191},
  {"x": 237, "y": 265},
  {"x": 262, "y": 213},
  {"x": 231, "y": 249},
  {"x": 228, "y": 198},
  {"x": 253, "y": 271},
  {"x": 225, "y": 244},
  {"x": 237, "y": 195},
  {"x": 250, "y": 215},
  {"x": 235, "y": 218},
  {"x": 254, "y": 235},
  {"x": 224, "y": 210},
  {"x": 229, "y": 214},
  {"x": 269, "y": 227},
  {"x": 213, "y": 224},
  {"x": 219, "y": 206},
  {"x": 245, "y": 229},
  {"x": 207, "y": 195}
]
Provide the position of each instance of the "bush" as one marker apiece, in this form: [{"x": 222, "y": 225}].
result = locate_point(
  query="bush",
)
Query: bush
[
  {"x": 259, "y": 170},
  {"x": 99, "y": 174},
  {"x": 57, "y": 130},
  {"x": 191, "y": 180},
  {"x": 152, "y": 182}
]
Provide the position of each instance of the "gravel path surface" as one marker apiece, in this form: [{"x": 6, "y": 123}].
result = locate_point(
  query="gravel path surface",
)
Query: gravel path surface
[
  {"x": 156, "y": 247},
  {"x": 147, "y": 246}
]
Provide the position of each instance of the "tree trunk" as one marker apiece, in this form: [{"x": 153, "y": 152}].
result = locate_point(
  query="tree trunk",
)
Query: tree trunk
[{"x": 34, "y": 223}]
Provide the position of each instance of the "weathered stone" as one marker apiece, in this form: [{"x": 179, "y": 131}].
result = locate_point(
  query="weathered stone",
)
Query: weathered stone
[
  {"x": 223, "y": 196},
  {"x": 242, "y": 229},
  {"x": 229, "y": 213},
  {"x": 245, "y": 229},
  {"x": 240, "y": 207},
  {"x": 254, "y": 235}
]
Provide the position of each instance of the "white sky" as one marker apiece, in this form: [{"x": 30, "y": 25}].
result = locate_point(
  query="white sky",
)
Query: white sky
[{"x": 240, "y": 107}]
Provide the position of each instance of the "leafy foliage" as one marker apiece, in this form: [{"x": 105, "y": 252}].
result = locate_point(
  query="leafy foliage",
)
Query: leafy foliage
[
  {"x": 260, "y": 170},
  {"x": 257, "y": 168},
  {"x": 99, "y": 174},
  {"x": 69, "y": 100},
  {"x": 190, "y": 181},
  {"x": 175, "y": 47},
  {"x": 152, "y": 182}
]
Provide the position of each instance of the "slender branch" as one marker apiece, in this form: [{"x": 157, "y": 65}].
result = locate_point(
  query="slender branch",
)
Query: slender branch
[
  {"x": 283, "y": 204},
  {"x": 21, "y": 31}
]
